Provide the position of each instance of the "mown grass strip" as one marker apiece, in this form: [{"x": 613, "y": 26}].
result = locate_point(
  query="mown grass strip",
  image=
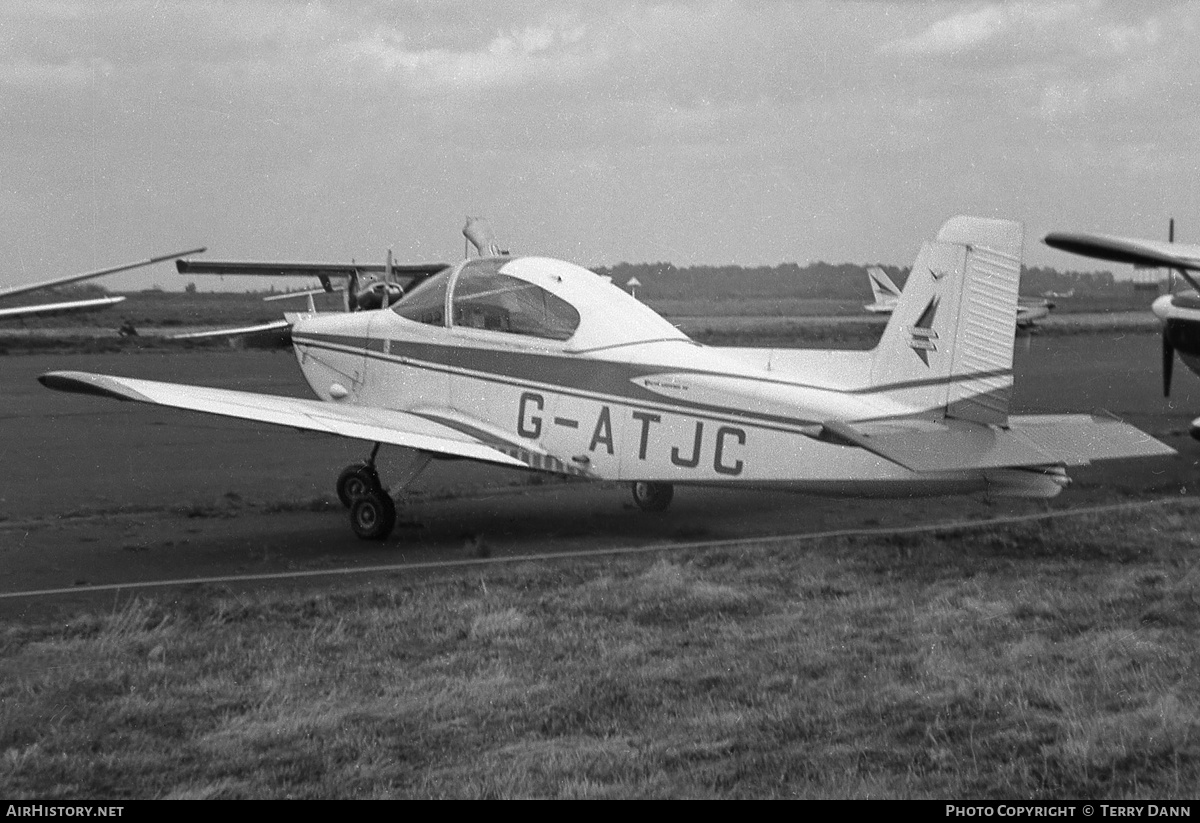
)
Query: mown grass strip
[{"x": 655, "y": 548}]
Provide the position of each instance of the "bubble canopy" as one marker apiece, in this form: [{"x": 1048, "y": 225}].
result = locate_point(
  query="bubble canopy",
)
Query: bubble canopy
[{"x": 537, "y": 298}]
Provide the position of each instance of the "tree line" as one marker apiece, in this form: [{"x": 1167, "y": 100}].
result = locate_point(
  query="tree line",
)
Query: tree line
[{"x": 847, "y": 281}]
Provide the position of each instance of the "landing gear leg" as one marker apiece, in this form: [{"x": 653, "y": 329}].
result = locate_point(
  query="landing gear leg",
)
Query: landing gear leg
[
  {"x": 652, "y": 497},
  {"x": 372, "y": 511},
  {"x": 357, "y": 479}
]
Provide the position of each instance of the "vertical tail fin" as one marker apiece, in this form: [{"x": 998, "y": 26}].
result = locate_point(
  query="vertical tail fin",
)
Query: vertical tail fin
[
  {"x": 882, "y": 286},
  {"x": 948, "y": 346}
]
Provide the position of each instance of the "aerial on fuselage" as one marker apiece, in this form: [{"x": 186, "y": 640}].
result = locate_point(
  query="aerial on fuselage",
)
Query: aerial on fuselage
[{"x": 541, "y": 364}]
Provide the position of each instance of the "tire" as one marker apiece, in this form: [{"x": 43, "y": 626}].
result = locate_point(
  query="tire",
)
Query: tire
[
  {"x": 373, "y": 516},
  {"x": 652, "y": 497},
  {"x": 355, "y": 481}
]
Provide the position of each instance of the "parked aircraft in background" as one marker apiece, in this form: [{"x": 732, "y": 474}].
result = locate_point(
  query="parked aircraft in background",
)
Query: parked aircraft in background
[
  {"x": 1180, "y": 312},
  {"x": 62, "y": 307},
  {"x": 538, "y": 363},
  {"x": 1029, "y": 309},
  {"x": 364, "y": 286},
  {"x": 884, "y": 290}
]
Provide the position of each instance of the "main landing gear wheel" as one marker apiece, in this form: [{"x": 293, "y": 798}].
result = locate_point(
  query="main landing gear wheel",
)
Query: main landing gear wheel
[
  {"x": 373, "y": 515},
  {"x": 653, "y": 497},
  {"x": 355, "y": 481}
]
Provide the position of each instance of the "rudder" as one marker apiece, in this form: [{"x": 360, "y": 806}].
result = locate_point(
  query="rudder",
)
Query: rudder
[{"x": 948, "y": 346}]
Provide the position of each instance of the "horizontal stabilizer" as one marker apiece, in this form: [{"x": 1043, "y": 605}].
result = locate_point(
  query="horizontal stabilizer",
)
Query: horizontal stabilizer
[
  {"x": 930, "y": 445},
  {"x": 1086, "y": 437}
]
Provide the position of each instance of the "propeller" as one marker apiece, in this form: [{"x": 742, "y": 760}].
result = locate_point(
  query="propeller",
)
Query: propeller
[
  {"x": 1168, "y": 350},
  {"x": 1168, "y": 361},
  {"x": 372, "y": 293}
]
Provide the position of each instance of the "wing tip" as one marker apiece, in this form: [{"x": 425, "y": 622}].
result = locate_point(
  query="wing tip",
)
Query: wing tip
[{"x": 80, "y": 383}]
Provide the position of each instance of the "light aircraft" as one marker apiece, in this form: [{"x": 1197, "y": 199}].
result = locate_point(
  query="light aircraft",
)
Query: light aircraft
[
  {"x": 538, "y": 363},
  {"x": 61, "y": 307},
  {"x": 367, "y": 286},
  {"x": 1179, "y": 311},
  {"x": 1029, "y": 309}
]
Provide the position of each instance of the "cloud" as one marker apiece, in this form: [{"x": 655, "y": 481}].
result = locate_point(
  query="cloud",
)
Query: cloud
[
  {"x": 543, "y": 52},
  {"x": 43, "y": 77},
  {"x": 983, "y": 24}
]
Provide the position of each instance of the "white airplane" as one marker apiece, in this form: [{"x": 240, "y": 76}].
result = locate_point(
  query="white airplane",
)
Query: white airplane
[
  {"x": 1029, "y": 309},
  {"x": 538, "y": 363},
  {"x": 1179, "y": 312},
  {"x": 76, "y": 305}
]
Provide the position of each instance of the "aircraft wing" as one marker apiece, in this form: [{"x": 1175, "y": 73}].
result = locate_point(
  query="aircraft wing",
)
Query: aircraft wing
[
  {"x": 357, "y": 422},
  {"x": 59, "y": 308},
  {"x": 1147, "y": 253},
  {"x": 929, "y": 445},
  {"x": 262, "y": 328},
  {"x": 91, "y": 275},
  {"x": 322, "y": 271}
]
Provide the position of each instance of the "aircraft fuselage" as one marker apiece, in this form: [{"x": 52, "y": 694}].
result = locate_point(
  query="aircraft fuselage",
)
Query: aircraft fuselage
[{"x": 662, "y": 411}]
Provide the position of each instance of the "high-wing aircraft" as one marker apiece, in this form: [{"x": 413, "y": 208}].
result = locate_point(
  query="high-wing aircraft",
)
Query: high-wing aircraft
[
  {"x": 538, "y": 363},
  {"x": 1029, "y": 309},
  {"x": 1180, "y": 312},
  {"x": 76, "y": 305},
  {"x": 366, "y": 286}
]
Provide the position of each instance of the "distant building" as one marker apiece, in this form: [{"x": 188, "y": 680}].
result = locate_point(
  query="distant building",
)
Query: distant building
[
  {"x": 1149, "y": 279},
  {"x": 632, "y": 284}
]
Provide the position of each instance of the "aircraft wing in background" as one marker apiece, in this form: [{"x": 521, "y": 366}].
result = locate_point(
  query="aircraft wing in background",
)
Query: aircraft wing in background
[
  {"x": 1145, "y": 253},
  {"x": 77, "y": 305},
  {"x": 280, "y": 328},
  {"x": 368, "y": 285},
  {"x": 324, "y": 272},
  {"x": 46, "y": 309}
]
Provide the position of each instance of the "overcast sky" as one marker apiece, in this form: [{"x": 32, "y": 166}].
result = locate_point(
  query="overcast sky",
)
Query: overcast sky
[{"x": 599, "y": 132}]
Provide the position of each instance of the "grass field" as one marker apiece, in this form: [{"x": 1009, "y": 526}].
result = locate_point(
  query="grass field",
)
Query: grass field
[{"x": 1048, "y": 659}]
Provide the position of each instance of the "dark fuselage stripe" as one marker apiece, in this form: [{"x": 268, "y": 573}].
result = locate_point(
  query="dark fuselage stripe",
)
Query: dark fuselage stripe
[
  {"x": 566, "y": 369},
  {"x": 600, "y": 380},
  {"x": 742, "y": 418}
]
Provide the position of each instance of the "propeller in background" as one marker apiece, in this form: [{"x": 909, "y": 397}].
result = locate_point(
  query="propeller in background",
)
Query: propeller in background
[{"x": 1168, "y": 349}]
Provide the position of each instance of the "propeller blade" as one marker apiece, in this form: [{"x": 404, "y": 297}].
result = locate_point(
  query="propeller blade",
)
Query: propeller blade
[{"x": 1168, "y": 361}]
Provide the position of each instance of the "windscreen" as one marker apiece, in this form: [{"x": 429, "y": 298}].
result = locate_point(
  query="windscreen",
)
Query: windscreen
[{"x": 485, "y": 299}]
